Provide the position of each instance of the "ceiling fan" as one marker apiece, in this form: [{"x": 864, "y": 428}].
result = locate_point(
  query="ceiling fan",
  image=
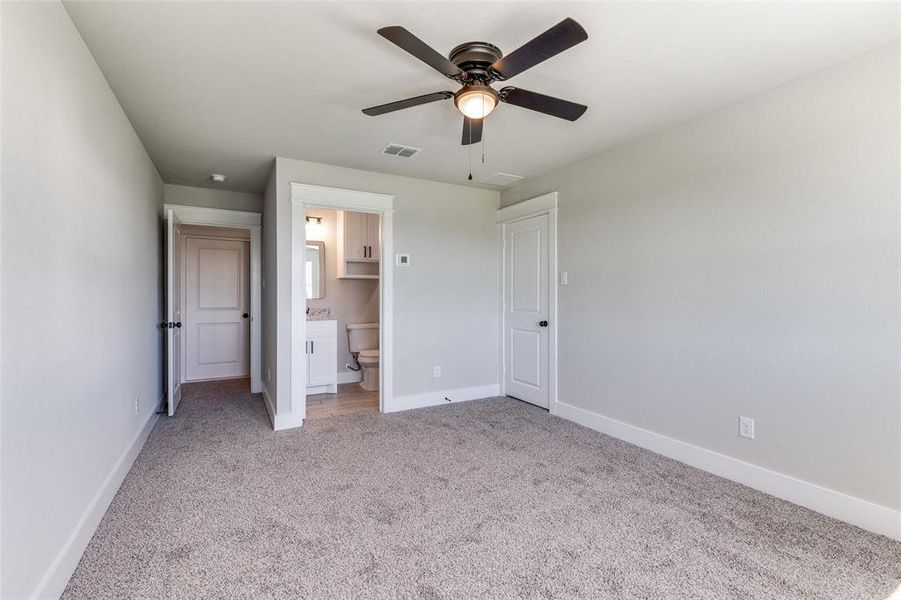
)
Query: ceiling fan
[{"x": 476, "y": 65}]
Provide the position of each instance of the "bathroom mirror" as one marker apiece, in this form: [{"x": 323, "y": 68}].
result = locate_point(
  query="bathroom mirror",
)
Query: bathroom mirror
[{"x": 315, "y": 270}]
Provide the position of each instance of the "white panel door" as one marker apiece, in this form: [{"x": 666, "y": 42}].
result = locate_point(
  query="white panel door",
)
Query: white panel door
[
  {"x": 173, "y": 313},
  {"x": 526, "y": 297},
  {"x": 218, "y": 305}
]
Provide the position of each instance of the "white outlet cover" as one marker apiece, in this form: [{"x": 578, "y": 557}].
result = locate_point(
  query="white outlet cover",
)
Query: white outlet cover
[
  {"x": 746, "y": 427},
  {"x": 564, "y": 277},
  {"x": 436, "y": 371}
]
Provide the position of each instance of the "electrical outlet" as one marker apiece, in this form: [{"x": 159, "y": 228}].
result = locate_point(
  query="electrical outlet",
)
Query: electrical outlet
[
  {"x": 746, "y": 427},
  {"x": 268, "y": 375},
  {"x": 138, "y": 405},
  {"x": 564, "y": 277},
  {"x": 436, "y": 371}
]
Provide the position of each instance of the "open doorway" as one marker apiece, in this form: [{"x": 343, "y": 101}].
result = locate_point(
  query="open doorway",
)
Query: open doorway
[
  {"x": 342, "y": 257},
  {"x": 370, "y": 251},
  {"x": 213, "y": 291}
]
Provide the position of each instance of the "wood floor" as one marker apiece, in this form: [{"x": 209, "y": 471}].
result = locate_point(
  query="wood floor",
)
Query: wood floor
[{"x": 350, "y": 399}]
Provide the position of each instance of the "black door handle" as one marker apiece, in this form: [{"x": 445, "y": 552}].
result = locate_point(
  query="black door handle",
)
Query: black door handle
[
  {"x": 244, "y": 316},
  {"x": 542, "y": 323},
  {"x": 178, "y": 323},
  {"x": 164, "y": 325}
]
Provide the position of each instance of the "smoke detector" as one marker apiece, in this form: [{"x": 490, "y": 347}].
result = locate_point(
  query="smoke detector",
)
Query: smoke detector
[
  {"x": 217, "y": 177},
  {"x": 400, "y": 151}
]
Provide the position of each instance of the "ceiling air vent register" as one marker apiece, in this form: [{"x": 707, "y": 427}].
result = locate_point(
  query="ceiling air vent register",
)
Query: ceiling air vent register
[{"x": 400, "y": 151}]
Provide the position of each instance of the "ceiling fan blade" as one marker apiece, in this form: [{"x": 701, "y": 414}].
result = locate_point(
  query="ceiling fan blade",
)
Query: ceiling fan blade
[
  {"x": 401, "y": 37},
  {"x": 563, "y": 109},
  {"x": 381, "y": 109},
  {"x": 562, "y": 36},
  {"x": 472, "y": 131}
]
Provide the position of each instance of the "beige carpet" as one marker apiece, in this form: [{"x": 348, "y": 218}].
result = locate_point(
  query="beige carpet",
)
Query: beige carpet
[{"x": 485, "y": 499}]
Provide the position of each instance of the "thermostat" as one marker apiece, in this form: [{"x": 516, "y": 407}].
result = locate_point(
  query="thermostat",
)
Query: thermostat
[{"x": 403, "y": 260}]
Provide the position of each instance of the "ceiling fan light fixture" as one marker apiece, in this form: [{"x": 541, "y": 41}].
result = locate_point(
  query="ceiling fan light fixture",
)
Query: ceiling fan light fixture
[{"x": 476, "y": 101}]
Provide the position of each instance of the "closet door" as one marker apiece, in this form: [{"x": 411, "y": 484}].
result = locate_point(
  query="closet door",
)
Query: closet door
[{"x": 373, "y": 239}]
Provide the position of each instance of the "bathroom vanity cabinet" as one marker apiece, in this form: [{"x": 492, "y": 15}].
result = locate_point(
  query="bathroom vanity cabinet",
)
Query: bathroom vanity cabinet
[{"x": 322, "y": 357}]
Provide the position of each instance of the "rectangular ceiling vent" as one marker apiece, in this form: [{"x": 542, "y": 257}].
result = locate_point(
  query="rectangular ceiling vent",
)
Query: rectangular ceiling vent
[
  {"x": 400, "y": 151},
  {"x": 501, "y": 179}
]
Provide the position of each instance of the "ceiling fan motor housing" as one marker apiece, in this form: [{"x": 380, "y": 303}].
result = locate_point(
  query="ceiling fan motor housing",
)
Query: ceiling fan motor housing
[
  {"x": 477, "y": 65},
  {"x": 475, "y": 58}
]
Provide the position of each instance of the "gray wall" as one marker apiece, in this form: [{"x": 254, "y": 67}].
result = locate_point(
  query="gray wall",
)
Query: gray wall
[
  {"x": 350, "y": 300},
  {"x": 269, "y": 315},
  {"x": 445, "y": 303},
  {"x": 210, "y": 198},
  {"x": 747, "y": 263},
  {"x": 81, "y": 299}
]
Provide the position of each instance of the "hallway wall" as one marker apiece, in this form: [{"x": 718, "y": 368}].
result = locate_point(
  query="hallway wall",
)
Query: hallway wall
[
  {"x": 81, "y": 244},
  {"x": 211, "y": 198}
]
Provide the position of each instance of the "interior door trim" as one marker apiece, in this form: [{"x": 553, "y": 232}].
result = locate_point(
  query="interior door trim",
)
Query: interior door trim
[
  {"x": 545, "y": 204},
  {"x": 251, "y": 221},
  {"x": 305, "y": 195}
]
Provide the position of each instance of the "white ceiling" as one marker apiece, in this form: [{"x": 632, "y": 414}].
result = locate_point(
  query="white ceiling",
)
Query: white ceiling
[{"x": 224, "y": 87}]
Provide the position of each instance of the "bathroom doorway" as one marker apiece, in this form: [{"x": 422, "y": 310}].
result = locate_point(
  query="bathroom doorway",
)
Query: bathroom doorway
[
  {"x": 341, "y": 286},
  {"x": 341, "y": 274}
]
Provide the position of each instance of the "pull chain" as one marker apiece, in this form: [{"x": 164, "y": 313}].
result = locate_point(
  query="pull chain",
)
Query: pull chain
[{"x": 469, "y": 122}]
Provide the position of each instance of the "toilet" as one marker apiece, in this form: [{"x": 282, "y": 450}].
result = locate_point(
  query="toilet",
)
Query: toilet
[{"x": 363, "y": 341}]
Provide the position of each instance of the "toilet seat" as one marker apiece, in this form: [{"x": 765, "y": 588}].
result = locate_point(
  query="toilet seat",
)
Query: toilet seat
[{"x": 369, "y": 357}]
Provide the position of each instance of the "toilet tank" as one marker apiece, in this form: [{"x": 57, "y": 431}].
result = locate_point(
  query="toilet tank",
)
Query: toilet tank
[{"x": 363, "y": 336}]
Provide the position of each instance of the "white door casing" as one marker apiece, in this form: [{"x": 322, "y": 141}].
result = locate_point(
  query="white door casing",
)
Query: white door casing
[
  {"x": 173, "y": 313},
  {"x": 217, "y": 325},
  {"x": 252, "y": 223},
  {"x": 526, "y": 310},
  {"x": 303, "y": 195}
]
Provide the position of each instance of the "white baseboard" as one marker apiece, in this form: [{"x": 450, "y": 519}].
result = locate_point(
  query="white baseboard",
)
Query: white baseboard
[
  {"x": 283, "y": 421},
  {"x": 270, "y": 406},
  {"x": 423, "y": 400},
  {"x": 350, "y": 376},
  {"x": 867, "y": 515},
  {"x": 329, "y": 388},
  {"x": 57, "y": 576}
]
